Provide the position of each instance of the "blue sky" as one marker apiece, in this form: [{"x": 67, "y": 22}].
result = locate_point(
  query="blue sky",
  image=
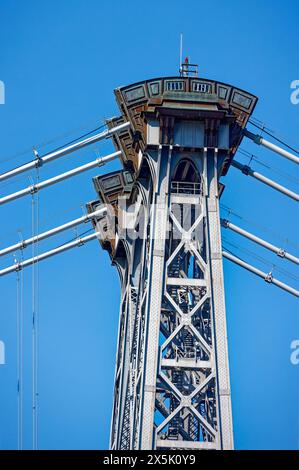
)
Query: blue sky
[{"x": 60, "y": 61}]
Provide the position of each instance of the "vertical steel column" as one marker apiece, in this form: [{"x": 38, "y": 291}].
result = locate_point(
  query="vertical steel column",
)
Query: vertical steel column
[
  {"x": 121, "y": 356},
  {"x": 157, "y": 264},
  {"x": 126, "y": 416},
  {"x": 217, "y": 286}
]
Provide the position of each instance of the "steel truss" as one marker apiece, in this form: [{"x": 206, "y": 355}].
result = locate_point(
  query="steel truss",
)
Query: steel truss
[{"x": 172, "y": 380}]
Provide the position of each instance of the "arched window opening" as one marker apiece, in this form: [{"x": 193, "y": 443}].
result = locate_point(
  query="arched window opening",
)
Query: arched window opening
[{"x": 186, "y": 178}]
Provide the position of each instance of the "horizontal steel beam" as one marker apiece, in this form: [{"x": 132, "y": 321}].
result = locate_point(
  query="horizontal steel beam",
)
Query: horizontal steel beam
[
  {"x": 267, "y": 277},
  {"x": 54, "y": 231},
  {"x": 39, "y": 161},
  {"x": 48, "y": 254},
  {"x": 185, "y": 363},
  {"x": 192, "y": 445},
  {"x": 181, "y": 281},
  {"x": 246, "y": 170},
  {"x": 57, "y": 179},
  {"x": 278, "y": 251},
  {"x": 259, "y": 140}
]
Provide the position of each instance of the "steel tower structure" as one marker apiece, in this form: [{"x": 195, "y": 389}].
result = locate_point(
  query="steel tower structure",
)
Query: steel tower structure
[{"x": 172, "y": 387}]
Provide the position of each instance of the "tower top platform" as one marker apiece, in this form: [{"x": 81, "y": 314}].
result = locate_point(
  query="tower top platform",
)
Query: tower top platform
[{"x": 166, "y": 101}]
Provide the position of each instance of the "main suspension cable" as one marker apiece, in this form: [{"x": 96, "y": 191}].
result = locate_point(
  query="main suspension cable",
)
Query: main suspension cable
[
  {"x": 54, "y": 139},
  {"x": 272, "y": 168},
  {"x": 263, "y": 129},
  {"x": 261, "y": 259},
  {"x": 43, "y": 220},
  {"x": 265, "y": 229}
]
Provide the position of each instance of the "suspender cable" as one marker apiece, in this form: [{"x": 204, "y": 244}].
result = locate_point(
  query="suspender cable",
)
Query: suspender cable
[
  {"x": 78, "y": 242},
  {"x": 279, "y": 251},
  {"x": 20, "y": 358},
  {"x": 35, "y": 319},
  {"x": 246, "y": 170},
  {"x": 266, "y": 276},
  {"x": 39, "y": 161},
  {"x": 230, "y": 211},
  {"x": 257, "y": 139},
  {"x": 56, "y": 179},
  {"x": 42, "y": 236}
]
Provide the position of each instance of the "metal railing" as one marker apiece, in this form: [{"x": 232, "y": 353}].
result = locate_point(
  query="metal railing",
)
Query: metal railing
[{"x": 179, "y": 187}]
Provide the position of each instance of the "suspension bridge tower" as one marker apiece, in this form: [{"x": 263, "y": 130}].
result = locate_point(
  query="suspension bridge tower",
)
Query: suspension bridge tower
[{"x": 172, "y": 386}]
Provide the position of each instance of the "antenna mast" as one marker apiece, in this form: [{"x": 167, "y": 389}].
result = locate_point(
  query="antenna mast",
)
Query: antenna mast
[{"x": 181, "y": 53}]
